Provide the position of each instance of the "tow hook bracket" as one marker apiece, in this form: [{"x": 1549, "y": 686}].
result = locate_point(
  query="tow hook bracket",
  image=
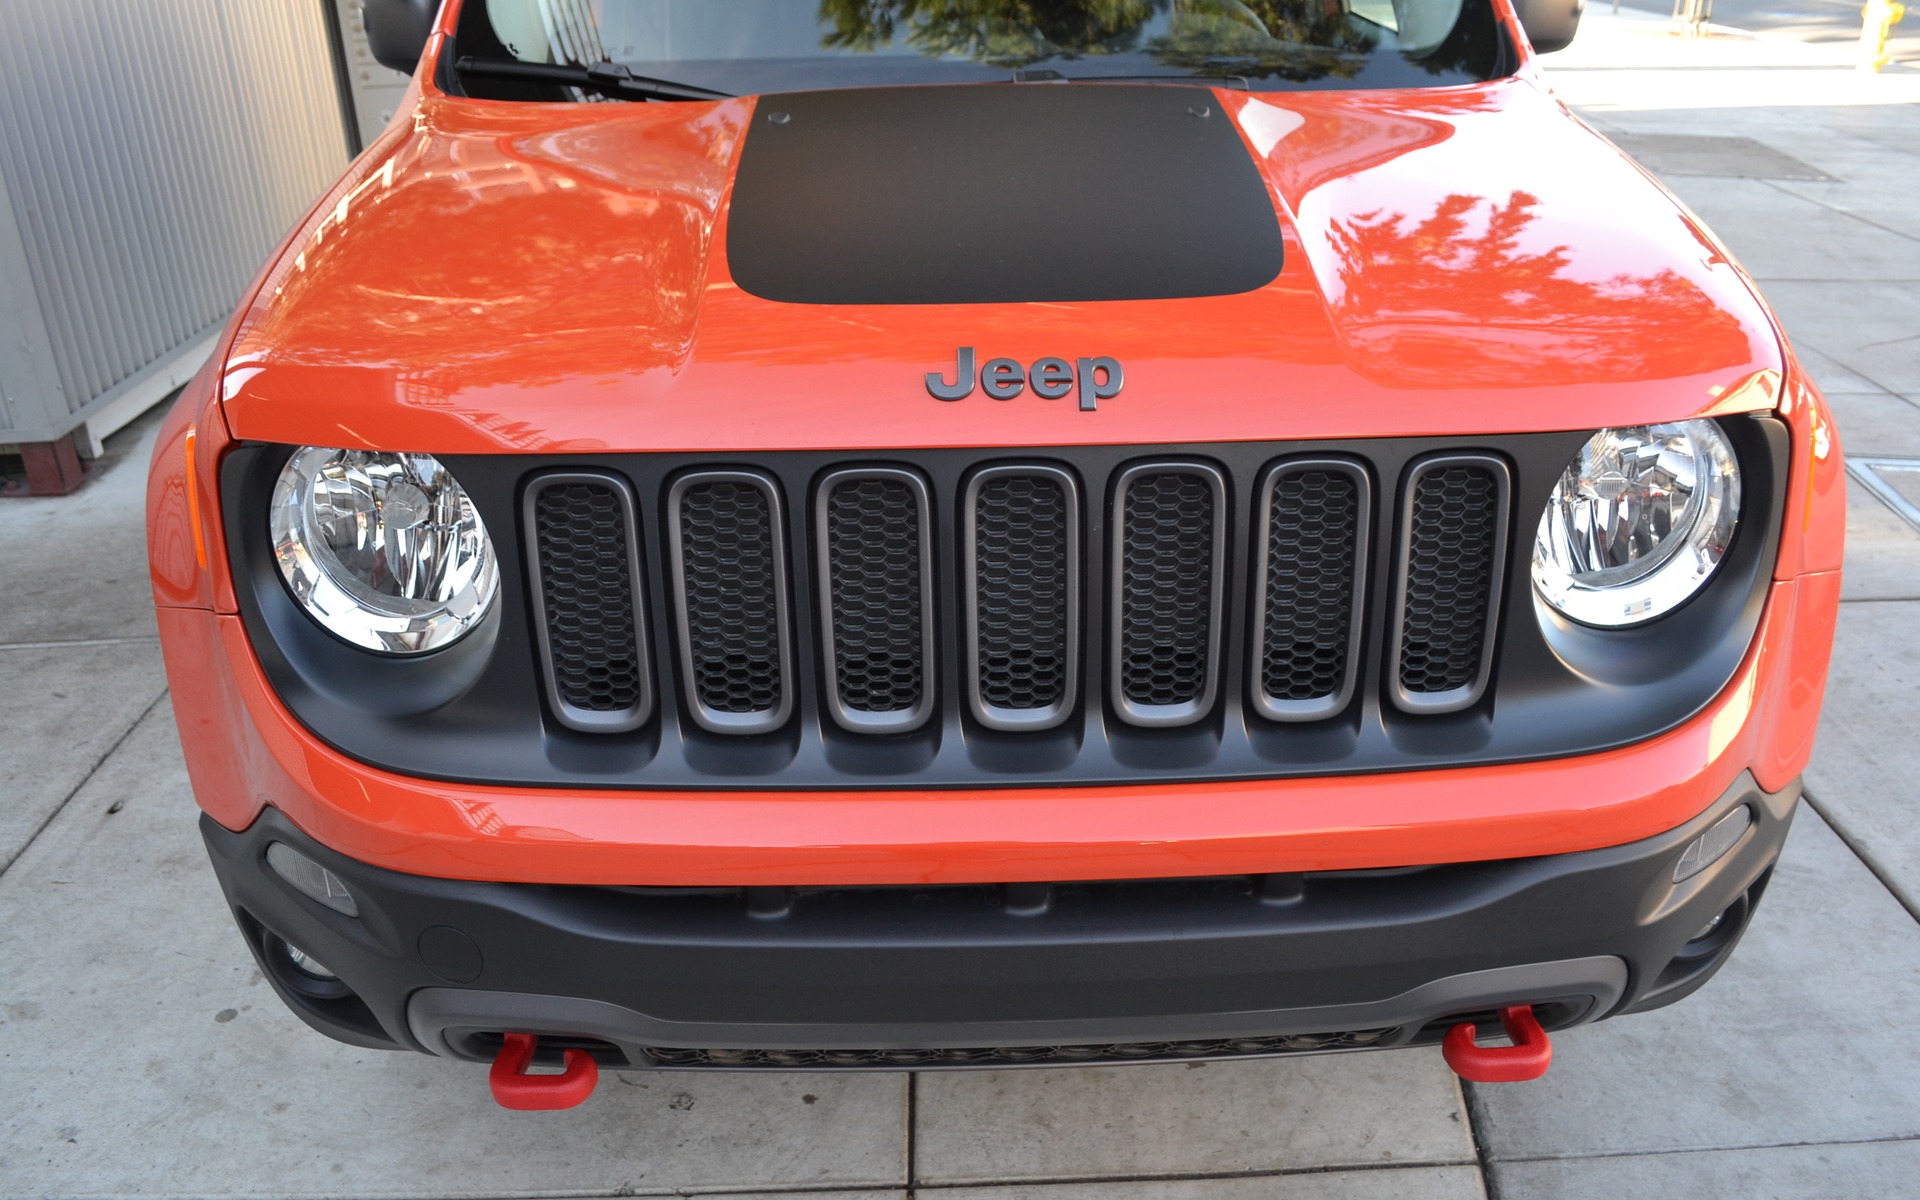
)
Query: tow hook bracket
[
  {"x": 514, "y": 1088},
  {"x": 1528, "y": 1057}
]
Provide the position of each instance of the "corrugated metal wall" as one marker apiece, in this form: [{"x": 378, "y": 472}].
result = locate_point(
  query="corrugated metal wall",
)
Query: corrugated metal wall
[{"x": 152, "y": 152}]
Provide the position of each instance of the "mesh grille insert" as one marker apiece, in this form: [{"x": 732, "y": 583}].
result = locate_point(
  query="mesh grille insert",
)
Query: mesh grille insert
[
  {"x": 1023, "y": 591},
  {"x": 1451, "y": 555},
  {"x": 873, "y": 530},
  {"x": 587, "y": 588},
  {"x": 1313, "y": 542},
  {"x": 988, "y": 1056},
  {"x": 1166, "y": 589},
  {"x": 731, "y": 592}
]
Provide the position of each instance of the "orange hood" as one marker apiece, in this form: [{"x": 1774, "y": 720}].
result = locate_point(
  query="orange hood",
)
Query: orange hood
[{"x": 499, "y": 277}]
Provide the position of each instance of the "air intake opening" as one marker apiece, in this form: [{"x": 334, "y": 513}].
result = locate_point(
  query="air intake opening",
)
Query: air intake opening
[
  {"x": 1022, "y": 546},
  {"x": 873, "y": 529},
  {"x": 730, "y": 599},
  {"x": 1311, "y": 549},
  {"x": 584, "y": 552},
  {"x": 1169, "y": 555},
  {"x": 1453, "y": 552}
]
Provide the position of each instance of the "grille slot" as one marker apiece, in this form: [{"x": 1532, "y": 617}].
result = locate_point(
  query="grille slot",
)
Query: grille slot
[
  {"x": 728, "y": 553},
  {"x": 1453, "y": 549},
  {"x": 583, "y": 549},
  {"x": 1169, "y": 548},
  {"x": 1006, "y": 1056},
  {"x": 874, "y": 535},
  {"x": 1311, "y": 553},
  {"x": 1021, "y": 545}
]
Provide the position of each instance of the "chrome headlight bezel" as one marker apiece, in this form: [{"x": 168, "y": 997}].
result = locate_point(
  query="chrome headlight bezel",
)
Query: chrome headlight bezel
[
  {"x": 1612, "y": 549},
  {"x": 419, "y": 571}
]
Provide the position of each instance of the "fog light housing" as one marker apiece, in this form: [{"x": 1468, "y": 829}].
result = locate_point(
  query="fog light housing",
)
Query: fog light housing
[
  {"x": 1712, "y": 846},
  {"x": 311, "y": 879},
  {"x": 307, "y": 963}
]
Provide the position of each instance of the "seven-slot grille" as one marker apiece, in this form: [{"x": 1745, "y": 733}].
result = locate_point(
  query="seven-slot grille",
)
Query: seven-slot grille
[{"x": 873, "y": 533}]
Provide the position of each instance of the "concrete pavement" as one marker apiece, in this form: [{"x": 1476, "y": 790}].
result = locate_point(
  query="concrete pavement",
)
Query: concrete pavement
[{"x": 141, "y": 1053}]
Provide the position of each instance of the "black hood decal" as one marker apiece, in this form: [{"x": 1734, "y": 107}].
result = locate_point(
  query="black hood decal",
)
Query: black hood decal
[{"x": 998, "y": 194}]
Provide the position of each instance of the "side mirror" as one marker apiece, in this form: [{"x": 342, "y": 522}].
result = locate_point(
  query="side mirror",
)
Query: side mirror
[
  {"x": 397, "y": 30},
  {"x": 1550, "y": 24}
]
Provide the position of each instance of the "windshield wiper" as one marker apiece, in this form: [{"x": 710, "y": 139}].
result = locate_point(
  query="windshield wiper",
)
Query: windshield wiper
[
  {"x": 606, "y": 78},
  {"x": 1049, "y": 75}
]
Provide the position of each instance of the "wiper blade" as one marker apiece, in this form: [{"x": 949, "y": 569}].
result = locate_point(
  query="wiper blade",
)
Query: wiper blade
[
  {"x": 1049, "y": 75},
  {"x": 606, "y": 79}
]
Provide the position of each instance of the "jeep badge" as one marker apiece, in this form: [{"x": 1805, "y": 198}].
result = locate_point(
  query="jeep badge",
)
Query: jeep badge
[{"x": 1097, "y": 379}]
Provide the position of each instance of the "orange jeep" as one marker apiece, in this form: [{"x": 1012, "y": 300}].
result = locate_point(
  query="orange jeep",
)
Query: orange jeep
[{"x": 840, "y": 534}]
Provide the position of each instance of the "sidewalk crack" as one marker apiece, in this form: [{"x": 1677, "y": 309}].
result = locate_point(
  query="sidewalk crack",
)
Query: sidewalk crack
[{"x": 84, "y": 780}]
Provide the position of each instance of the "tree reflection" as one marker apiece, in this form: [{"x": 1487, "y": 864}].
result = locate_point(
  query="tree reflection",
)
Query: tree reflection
[
  {"x": 1404, "y": 282},
  {"x": 1294, "y": 39}
]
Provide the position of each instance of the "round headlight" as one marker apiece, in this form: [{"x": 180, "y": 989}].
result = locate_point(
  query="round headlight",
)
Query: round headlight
[
  {"x": 383, "y": 550},
  {"x": 1639, "y": 521}
]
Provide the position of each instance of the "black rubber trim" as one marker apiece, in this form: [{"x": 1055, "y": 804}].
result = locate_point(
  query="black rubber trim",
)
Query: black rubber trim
[
  {"x": 993, "y": 195},
  {"x": 474, "y": 711},
  {"x": 919, "y": 965}
]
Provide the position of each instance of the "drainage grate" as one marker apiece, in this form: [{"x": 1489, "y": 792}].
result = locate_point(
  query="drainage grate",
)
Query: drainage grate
[
  {"x": 1896, "y": 481},
  {"x": 1729, "y": 157}
]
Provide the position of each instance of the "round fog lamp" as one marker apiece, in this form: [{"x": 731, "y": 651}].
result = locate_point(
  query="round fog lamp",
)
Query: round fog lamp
[
  {"x": 308, "y": 963},
  {"x": 385, "y": 551},
  {"x": 1638, "y": 522}
]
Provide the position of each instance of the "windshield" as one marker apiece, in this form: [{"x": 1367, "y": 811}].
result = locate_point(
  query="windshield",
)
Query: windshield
[{"x": 741, "y": 47}]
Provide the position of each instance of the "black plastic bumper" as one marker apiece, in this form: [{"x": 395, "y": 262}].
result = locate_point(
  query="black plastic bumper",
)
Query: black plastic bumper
[{"x": 984, "y": 975}]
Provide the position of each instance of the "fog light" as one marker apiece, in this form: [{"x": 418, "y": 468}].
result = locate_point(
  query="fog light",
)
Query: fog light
[
  {"x": 311, "y": 966},
  {"x": 1711, "y": 846},
  {"x": 311, "y": 878}
]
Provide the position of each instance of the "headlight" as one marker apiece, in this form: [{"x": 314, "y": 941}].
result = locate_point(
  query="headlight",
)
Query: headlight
[
  {"x": 383, "y": 550},
  {"x": 1638, "y": 522}
]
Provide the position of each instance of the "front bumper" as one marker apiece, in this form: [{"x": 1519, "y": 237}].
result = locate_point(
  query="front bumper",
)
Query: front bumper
[{"x": 928, "y": 976}]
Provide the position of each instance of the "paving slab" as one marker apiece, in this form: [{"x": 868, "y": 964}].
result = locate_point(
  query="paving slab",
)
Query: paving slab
[
  {"x": 1776, "y": 1172},
  {"x": 1811, "y": 1033},
  {"x": 144, "y": 1053},
  {"x": 1189, "y": 1119},
  {"x": 1778, "y": 236},
  {"x": 1883, "y": 551},
  {"x": 1835, "y": 378},
  {"x": 75, "y": 567},
  {"x": 62, "y": 707},
  {"x": 1388, "y": 1183},
  {"x": 1873, "y": 326},
  {"x": 1876, "y": 425},
  {"x": 1867, "y": 760}
]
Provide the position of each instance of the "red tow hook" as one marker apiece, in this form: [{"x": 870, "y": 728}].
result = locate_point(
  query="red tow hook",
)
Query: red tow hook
[
  {"x": 514, "y": 1088},
  {"x": 1528, "y": 1057}
]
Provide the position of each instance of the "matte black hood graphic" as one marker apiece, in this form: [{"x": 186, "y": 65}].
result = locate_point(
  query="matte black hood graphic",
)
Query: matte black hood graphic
[{"x": 998, "y": 194}]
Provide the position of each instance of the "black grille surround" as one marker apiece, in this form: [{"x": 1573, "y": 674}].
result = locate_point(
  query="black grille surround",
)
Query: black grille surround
[{"x": 479, "y": 711}]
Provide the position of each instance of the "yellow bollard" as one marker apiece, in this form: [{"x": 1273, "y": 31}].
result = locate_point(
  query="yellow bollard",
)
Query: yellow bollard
[{"x": 1877, "y": 20}]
